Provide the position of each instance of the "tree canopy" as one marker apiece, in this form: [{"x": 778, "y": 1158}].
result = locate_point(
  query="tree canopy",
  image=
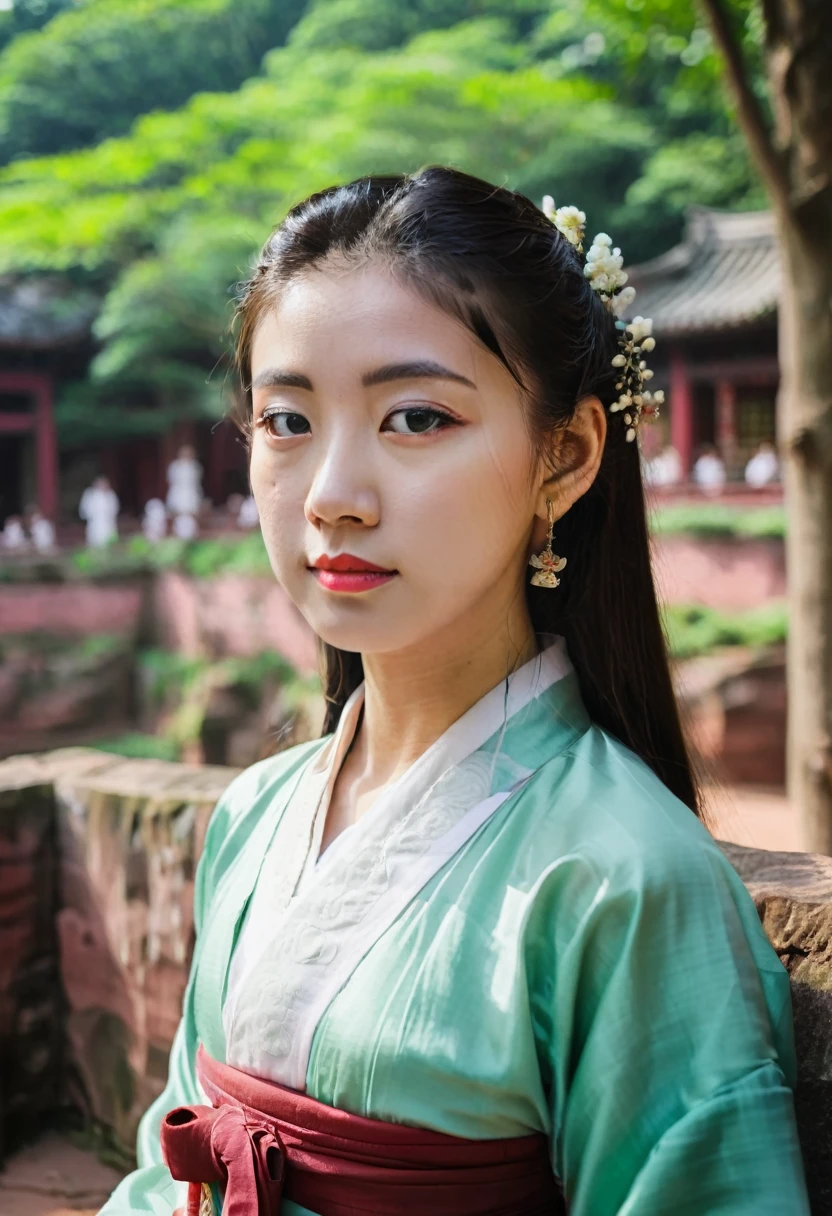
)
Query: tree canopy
[
  {"x": 90, "y": 70},
  {"x": 612, "y": 104}
]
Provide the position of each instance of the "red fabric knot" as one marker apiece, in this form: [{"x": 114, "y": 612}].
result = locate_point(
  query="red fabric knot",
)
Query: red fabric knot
[{"x": 220, "y": 1144}]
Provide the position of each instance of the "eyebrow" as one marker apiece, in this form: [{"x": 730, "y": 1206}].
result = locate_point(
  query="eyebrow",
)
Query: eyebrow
[{"x": 419, "y": 369}]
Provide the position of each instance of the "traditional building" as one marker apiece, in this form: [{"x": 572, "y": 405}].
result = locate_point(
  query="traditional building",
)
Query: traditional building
[
  {"x": 44, "y": 337},
  {"x": 46, "y": 344},
  {"x": 713, "y": 300}
]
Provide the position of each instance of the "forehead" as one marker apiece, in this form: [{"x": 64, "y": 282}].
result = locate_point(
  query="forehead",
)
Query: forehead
[{"x": 362, "y": 314}]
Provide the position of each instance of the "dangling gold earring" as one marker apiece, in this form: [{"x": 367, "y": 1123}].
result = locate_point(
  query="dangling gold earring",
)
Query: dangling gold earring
[{"x": 547, "y": 565}]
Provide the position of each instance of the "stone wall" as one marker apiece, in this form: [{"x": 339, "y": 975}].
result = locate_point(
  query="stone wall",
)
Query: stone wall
[
  {"x": 230, "y": 614},
  {"x": 732, "y": 575},
  {"x": 97, "y": 861},
  {"x": 31, "y": 1002},
  {"x": 793, "y": 894},
  {"x": 71, "y": 609},
  {"x": 127, "y": 836}
]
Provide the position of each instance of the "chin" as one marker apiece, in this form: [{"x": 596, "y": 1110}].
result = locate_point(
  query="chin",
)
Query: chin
[{"x": 366, "y": 632}]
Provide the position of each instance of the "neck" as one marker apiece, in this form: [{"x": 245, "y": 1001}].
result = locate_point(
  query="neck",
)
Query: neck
[{"x": 412, "y": 697}]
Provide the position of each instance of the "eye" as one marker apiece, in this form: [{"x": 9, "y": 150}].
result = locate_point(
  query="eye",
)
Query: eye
[
  {"x": 284, "y": 424},
  {"x": 417, "y": 420}
]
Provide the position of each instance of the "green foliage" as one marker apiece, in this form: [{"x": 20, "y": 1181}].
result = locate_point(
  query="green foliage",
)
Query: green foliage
[
  {"x": 719, "y": 520},
  {"x": 210, "y": 558},
  {"x": 378, "y": 25},
  {"x": 612, "y": 104},
  {"x": 167, "y": 675},
  {"x": 92, "y": 69},
  {"x": 693, "y": 630},
  {"x": 180, "y": 689},
  {"x": 19, "y": 16},
  {"x": 138, "y": 746}
]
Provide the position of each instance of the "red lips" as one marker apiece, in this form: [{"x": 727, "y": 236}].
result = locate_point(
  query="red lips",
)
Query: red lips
[
  {"x": 348, "y": 573},
  {"x": 347, "y": 564}
]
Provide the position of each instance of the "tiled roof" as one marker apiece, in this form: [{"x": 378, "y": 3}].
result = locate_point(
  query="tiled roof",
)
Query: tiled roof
[
  {"x": 725, "y": 274},
  {"x": 43, "y": 312}
]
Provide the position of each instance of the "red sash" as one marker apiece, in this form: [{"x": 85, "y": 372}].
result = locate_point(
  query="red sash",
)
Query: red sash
[{"x": 261, "y": 1141}]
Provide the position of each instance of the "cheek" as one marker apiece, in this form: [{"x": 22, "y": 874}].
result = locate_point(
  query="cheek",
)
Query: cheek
[
  {"x": 279, "y": 497},
  {"x": 470, "y": 516}
]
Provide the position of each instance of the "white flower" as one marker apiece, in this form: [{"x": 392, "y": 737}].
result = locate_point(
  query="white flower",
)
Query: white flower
[
  {"x": 648, "y": 344},
  {"x": 604, "y": 266},
  {"x": 619, "y": 361},
  {"x": 570, "y": 222},
  {"x": 631, "y": 435},
  {"x": 623, "y": 300},
  {"x": 640, "y": 328},
  {"x": 548, "y": 207},
  {"x": 658, "y": 396}
]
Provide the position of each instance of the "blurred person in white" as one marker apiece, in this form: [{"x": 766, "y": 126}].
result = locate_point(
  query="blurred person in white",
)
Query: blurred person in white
[
  {"x": 99, "y": 508},
  {"x": 42, "y": 531},
  {"x": 248, "y": 515},
  {"x": 185, "y": 527},
  {"x": 664, "y": 469},
  {"x": 184, "y": 483},
  {"x": 763, "y": 468},
  {"x": 14, "y": 534},
  {"x": 154, "y": 520},
  {"x": 709, "y": 472},
  {"x": 232, "y": 508}
]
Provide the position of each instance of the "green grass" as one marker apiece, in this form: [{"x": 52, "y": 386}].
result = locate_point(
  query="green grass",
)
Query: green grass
[
  {"x": 694, "y": 629},
  {"x": 718, "y": 520}
]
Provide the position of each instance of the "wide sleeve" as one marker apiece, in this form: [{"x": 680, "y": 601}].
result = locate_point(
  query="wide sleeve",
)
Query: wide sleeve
[{"x": 668, "y": 1044}]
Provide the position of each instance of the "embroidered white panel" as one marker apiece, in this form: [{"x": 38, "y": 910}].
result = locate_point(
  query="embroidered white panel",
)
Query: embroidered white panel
[{"x": 303, "y": 937}]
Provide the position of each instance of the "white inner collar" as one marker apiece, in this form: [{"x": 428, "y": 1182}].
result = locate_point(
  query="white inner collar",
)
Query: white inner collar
[{"x": 470, "y": 731}]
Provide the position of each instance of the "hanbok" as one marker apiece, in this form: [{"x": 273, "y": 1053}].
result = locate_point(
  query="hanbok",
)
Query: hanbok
[{"x": 526, "y": 934}]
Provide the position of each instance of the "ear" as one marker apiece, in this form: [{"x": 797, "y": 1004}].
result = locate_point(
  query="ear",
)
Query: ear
[{"x": 575, "y": 458}]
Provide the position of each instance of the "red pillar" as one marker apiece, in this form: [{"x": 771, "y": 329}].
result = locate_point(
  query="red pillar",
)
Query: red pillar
[
  {"x": 681, "y": 409},
  {"x": 46, "y": 458},
  {"x": 726, "y": 422}
]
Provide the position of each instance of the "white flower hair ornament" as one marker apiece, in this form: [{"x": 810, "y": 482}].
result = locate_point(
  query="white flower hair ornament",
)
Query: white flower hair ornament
[{"x": 603, "y": 267}]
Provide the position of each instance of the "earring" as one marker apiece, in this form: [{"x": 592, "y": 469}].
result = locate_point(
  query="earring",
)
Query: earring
[{"x": 547, "y": 564}]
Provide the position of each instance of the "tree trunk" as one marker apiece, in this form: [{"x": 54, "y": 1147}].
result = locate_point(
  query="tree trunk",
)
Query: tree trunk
[
  {"x": 795, "y": 161},
  {"x": 805, "y": 425}
]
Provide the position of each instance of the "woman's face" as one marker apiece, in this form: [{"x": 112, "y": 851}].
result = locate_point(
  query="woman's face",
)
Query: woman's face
[{"x": 385, "y": 434}]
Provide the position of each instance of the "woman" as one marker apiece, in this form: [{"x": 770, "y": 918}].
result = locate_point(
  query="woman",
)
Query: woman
[{"x": 474, "y": 951}]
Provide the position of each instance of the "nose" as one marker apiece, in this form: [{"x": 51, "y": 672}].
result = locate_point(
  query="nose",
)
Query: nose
[{"x": 343, "y": 491}]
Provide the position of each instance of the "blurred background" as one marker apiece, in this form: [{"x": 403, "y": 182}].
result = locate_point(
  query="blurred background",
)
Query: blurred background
[{"x": 146, "y": 150}]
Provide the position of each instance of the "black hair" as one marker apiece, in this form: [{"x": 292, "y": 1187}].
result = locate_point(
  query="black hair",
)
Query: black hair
[{"x": 491, "y": 258}]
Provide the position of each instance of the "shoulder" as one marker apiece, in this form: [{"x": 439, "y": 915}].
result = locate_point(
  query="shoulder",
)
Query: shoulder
[
  {"x": 602, "y": 806},
  {"x": 619, "y": 861},
  {"x": 265, "y": 775},
  {"x": 252, "y": 793}
]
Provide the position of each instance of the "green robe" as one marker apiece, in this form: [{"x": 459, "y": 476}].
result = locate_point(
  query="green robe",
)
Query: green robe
[{"x": 526, "y": 932}]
